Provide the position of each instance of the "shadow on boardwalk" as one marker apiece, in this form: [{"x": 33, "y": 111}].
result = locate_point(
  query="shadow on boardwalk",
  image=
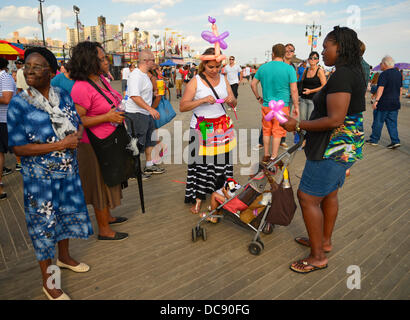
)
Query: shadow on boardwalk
[{"x": 159, "y": 260}]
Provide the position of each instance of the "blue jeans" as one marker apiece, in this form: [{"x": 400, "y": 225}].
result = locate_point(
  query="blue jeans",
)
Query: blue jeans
[{"x": 390, "y": 118}]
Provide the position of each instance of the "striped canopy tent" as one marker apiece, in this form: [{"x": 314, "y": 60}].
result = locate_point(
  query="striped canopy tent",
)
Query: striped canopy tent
[{"x": 10, "y": 51}]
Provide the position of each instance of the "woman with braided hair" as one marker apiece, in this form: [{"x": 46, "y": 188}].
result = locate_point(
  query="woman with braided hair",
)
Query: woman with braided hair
[{"x": 334, "y": 143}]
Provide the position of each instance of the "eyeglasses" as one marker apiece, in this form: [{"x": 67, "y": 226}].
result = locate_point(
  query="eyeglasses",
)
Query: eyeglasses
[{"x": 36, "y": 67}]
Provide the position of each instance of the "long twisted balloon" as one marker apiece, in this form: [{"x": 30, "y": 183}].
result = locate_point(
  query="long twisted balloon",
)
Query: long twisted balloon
[
  {"x": 217, "y": 39},
  {"x": 276, "y": 111}
]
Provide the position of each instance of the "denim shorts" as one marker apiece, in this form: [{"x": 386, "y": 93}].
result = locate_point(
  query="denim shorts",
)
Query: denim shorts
[{"x": 321, "y": 178}]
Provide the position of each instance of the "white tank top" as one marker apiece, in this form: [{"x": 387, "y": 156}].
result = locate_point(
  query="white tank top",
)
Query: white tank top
[{"x": 208, "y": 110}]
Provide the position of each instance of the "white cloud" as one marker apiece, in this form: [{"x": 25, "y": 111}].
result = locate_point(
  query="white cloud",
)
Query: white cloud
[
  {"x": 284, "y": 16},
  {"x": 16, "y": 14},
  {"x": 315, "y": 2},
  {"x": 158, "y": 3},
  {"x": 27, "y": 31},
  {"x": 237, "y": 10}
]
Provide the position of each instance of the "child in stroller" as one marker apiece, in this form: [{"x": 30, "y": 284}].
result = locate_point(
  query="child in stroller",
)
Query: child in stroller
[{"x": 226, "y": 189}]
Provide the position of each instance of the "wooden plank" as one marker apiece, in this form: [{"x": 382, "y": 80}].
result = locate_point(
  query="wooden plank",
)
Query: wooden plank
[{"x": 401, "y": 290}]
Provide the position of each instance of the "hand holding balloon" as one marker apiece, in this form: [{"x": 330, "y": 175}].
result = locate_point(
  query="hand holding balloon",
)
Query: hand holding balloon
[{"x": 276, "y": 111}]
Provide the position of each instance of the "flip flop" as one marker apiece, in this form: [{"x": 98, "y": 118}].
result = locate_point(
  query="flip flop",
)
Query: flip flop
[
  {"x": 195, "y": 209},
  {"x": 209, "y": 219},
  {"x": 304, "y": 242},
  {"x": 306, "y": 264}
]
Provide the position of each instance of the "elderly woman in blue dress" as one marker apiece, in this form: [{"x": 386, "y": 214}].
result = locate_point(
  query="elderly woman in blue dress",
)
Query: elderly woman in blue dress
[{"x": 44, "y": 129}]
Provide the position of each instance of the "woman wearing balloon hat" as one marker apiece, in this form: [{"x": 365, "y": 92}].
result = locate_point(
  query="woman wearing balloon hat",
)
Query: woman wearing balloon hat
[{"x": 211, "y": 129}]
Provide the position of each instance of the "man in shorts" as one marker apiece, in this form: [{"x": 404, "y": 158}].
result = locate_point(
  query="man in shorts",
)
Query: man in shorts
[
  {"x": 278, "y": 81},
  {"x": 139, "y": 109}
]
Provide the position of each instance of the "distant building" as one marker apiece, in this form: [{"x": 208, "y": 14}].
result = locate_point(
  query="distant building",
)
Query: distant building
[{"x": 109, "y": 35}]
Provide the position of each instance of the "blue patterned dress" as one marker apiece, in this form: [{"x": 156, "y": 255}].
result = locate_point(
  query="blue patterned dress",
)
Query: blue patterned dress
[{"x": 53, "y": 197}]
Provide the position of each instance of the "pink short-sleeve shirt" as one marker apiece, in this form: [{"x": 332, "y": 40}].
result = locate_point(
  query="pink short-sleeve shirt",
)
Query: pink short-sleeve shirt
[{"x": 87, "y": 97}]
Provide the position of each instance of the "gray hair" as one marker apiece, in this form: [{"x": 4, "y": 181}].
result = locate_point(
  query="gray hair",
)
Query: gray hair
[{"x": 388, "y": 61}]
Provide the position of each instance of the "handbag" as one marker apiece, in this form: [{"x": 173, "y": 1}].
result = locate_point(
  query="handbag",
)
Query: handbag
[
  {"x": 166, "y": 113},
  {"x": 283, "y": 206},
  {"x": 116, "y": 162},
  {"x": 216, "y": 136}
]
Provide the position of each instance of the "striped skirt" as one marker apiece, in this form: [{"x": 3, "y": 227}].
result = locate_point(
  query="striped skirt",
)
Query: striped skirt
[{"x": 204, "y": 170}]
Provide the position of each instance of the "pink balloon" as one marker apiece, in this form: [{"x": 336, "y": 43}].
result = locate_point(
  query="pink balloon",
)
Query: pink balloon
[
  {"x": 276, "y": 111},
  {"x": 269, "y": 116}
]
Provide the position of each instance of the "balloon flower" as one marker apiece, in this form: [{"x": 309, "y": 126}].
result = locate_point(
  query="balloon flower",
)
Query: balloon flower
[
  {"x": 217, "y": 39},
  {"x": 276, "y": 111}
]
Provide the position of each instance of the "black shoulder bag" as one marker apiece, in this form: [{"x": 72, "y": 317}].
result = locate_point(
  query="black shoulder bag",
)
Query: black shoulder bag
[{"x": 116, "y": 161}]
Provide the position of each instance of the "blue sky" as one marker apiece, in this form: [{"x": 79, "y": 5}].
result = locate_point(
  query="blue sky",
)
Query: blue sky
[{"x": 254, "y": 26}]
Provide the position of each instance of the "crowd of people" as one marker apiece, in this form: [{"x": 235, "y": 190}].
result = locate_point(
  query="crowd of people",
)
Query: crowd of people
[{"x": 49, "y": 122}]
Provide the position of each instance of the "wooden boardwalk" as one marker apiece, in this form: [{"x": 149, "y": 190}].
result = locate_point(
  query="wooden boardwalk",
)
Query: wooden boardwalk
[{"x": 159, "y": 260}]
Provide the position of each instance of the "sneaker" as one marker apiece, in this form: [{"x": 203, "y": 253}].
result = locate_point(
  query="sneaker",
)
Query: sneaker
[
  {"x": 18, "y": 167},
  {"x": 371, "y": 142},
  {"x": 393, "y": 145},
  {"x": 6, "y": 171},
  {"x": 257, "y": 147},
  {"x": 154, "y": 169},
  {"x": 284, "y": 145},
  {"x": 145, "y": 176}
]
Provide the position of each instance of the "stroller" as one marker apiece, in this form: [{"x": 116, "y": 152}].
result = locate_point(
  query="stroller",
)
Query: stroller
[{"x": 254, "y": 216}]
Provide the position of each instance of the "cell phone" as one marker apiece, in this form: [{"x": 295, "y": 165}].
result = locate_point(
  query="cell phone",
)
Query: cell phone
[{"x": 231, "y": 186}]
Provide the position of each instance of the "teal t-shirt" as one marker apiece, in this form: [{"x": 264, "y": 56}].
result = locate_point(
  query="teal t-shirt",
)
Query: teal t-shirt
[
  {"x": 275, "y": 78},
  {"x": 63, "y": 82}
]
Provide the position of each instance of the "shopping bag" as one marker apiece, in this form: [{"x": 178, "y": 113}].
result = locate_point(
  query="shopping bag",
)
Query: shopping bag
[{"x": 166, "y": 113}]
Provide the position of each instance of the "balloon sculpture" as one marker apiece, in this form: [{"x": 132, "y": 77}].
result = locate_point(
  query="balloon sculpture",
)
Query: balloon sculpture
[
  {"x": 276, "y": 111},
  {"x": 217, "y": 39}
]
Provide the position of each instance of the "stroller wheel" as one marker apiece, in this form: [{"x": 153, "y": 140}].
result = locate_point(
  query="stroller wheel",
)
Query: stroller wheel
[
  {"x": 203, "y": 233},
  {"x": 194, "y": 234},
  {"x": 255, "y": 248},
  {"x": 261, "y": 243},
  {"x": 268, "y": 228}
]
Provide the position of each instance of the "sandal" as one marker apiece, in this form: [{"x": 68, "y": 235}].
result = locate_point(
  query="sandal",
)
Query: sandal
[
  {"x": 209, "y": 219},
  {"x": 195, "y": 209},
  {"x": 305, "y": 264}
]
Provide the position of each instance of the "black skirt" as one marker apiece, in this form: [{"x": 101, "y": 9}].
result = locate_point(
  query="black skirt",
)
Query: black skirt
[{"x": 204, "y": 170}]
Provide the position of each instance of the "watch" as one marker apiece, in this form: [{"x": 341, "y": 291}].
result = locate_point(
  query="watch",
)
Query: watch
[{"x": 297, "y": 126}]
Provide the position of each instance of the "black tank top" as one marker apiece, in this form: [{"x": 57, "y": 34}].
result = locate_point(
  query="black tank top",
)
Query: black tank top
[{"x": 310, "y": 83}]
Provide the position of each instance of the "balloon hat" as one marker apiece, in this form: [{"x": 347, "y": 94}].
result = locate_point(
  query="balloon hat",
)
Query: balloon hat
[{"x": 216, "y": 39}]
